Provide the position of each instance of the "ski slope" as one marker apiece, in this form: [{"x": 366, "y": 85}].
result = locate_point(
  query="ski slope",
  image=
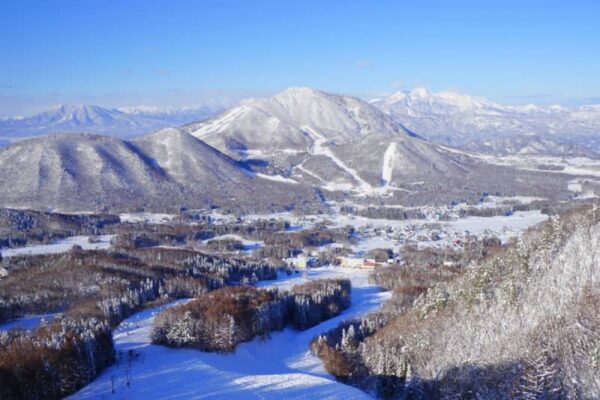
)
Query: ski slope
[
  {"x": 388, "y": 165},
  {"x": 277, "y": 368},
  {"x": 319, "y": 148}
]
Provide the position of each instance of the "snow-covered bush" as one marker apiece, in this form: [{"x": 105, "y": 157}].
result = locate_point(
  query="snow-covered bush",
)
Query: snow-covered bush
[
  {"x": 219, "y": 320},
  {"x": 317, "y": 301}
]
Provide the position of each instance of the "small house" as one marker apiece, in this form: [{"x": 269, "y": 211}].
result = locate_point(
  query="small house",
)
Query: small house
[{"x": 351, "y": 262}]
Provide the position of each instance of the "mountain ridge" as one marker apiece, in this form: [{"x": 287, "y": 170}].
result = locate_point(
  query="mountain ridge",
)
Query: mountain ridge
[
  {"x": 481, "y": 125},
  {"x": 125, "y": 122},
  {"x": 302, "y": 148}
]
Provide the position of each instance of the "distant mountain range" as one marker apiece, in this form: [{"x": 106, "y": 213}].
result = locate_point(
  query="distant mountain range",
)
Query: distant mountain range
[
  {"x": 478, "y": 124},
  {"x": 300, "y": 149},
  {"x": 125, "y": 122},
  {"x": 467, "y": 122}
]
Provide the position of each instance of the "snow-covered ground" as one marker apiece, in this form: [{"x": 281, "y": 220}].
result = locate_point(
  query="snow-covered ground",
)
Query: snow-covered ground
[
  {"x": 149, "y": 218},
  {"x": 30, "y": 322},
  {"x": 277, "y": 368},
  {"x": 248, "y": 244},
  {"x": 504, "y": 227},
  {"x": 499, "y": 201},
  {"x": 577, "y": 166},
  {"x": 386, "y": 233},
  {"x": 64, "y": 245}
]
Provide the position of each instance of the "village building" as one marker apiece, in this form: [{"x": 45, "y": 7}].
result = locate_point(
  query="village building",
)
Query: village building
[{"x": 303, "y": 262}]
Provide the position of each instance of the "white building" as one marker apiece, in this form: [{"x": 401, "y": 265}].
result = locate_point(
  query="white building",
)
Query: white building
[
  {"x": 351, "y": 262},
  {"x": 302, "y": 262}
]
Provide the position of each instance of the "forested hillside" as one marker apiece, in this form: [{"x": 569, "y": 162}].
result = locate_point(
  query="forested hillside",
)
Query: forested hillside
[{"x": 523, "y": 323}]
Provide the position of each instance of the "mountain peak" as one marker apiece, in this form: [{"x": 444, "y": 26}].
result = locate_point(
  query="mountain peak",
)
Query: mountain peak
[
  {"x": 281, "y": 122},
  {"x": 298, "y": 93},
  {"x": 122, "y": 123},
  {"x": 419, "y": 92},
  {"x": 171, "y": 137},
  {"x": 74, "y": 108}
]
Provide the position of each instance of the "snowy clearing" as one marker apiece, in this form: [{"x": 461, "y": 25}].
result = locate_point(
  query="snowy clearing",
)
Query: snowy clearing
[
  {"x": 277, "y": 368},
  {"x": 100, "y": 243},
  {"x": 29, "y": 322},
  {"x": 149, "y": 218},
  {"x": 578, "y": 166},
  {"x": 248, "y": 244},
  {"x": 505, "y": 227}
]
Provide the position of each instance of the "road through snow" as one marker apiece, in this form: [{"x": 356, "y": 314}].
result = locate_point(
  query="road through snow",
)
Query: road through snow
[{"x": 277, "y": 368}]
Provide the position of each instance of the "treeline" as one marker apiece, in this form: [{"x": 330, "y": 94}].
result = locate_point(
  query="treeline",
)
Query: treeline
[
  {"x": 473, "y": 249},
  {"x": 317, "y": 301},
  {"x": 393, "y": 213},
  {"x": 219, "y": 320},
  {"x": 279, "y": 242},
  {"x": 94, "y": 290},
  {"x": 348, "y": 351},
  {"x": 293, "y": 243},
  {"x": 520, "y": 323},
  {"x": 27, "y": 227},
  {"x": 110, "y": 285},
  {"x": 137, "y": 235},
  {"x": 409, "y": 213},
  {"x": 55, "y": 360}
]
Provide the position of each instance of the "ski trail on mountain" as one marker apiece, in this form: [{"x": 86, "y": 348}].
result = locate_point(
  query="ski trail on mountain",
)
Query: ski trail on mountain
[
  {"x": 318, "y": 148},
  {"x": 220, "y": 123},
  {"x": 280, "y": 367},
  {"x": 317, "y": 177},
  {"x": 388, "y": 165}
]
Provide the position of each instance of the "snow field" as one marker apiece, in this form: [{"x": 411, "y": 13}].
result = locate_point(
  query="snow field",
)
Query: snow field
[
  {"x": 277, "y": 368},
  {"x": 62, "y": 246}
]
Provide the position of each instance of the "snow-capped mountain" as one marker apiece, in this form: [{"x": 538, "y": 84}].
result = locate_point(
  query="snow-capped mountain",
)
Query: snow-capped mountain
[
  {"x": 188, "y": 159},
  {"x": 165, "y": 170},
  {"x": 340, "y": 144},
  {"x": 279, "y": 123},
  {"x": 176, "y": 116},
  {"x": 123, "y": 123},
  {"x": 476, "y": 123},
  {"x": 299, "y": 148}
]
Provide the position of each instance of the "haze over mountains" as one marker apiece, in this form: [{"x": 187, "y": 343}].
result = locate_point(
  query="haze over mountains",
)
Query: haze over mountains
[
  {"x": 125, "y": 122},
  {"x": 300, "y": 148}
]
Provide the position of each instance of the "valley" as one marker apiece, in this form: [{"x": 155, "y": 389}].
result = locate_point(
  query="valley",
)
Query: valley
[
  {"x": 337, "y": 200},
  {"x": 280, "y": 249}
]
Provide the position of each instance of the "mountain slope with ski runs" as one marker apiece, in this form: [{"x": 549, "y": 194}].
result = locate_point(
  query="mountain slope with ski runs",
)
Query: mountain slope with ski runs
[{"x": 300, "y": 149}]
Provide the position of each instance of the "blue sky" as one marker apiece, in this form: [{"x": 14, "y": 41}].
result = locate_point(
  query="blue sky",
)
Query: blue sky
[{"x": 186, "y": 52}]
